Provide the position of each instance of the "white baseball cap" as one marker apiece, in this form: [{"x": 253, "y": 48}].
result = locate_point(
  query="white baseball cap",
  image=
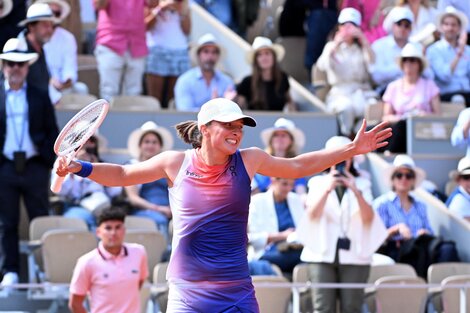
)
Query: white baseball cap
[
  {"x": 350, "y": 15},
  {"x": 396, "y": 15},
  {"x": 222, "y": 110},
  {"x": 463, "y": 167}
]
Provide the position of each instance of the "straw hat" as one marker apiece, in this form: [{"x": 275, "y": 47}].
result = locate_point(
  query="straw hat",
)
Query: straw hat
[
  {"x": 7, "y": 7},
  {"x": 16, "y": 50},
  {"x": 464, "y": 166},
  {"x": 413, "y": 50},
  {"x": 406, "y": 162},
  {"x": 283, "y": 124},
  {"x": 264, "y": 43},
  {"x": 222, "y": 110},
  {"x": 396, "y": 15},
  {"x": 204, "y": 41},
  {"x": 450, "y": 10},
  {"x": 350, "y": 15},
  {"x": 148, "y": 127},
  {"x": 64, "y": 8},
  {"x": 38, "y": 12}
]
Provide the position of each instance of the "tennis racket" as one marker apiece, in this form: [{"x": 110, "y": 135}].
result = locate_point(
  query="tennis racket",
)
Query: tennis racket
[{"x": 75, "y": 133}]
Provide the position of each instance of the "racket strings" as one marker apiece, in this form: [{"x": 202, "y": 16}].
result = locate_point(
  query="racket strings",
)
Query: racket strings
[{"x": 80, "y": 129}]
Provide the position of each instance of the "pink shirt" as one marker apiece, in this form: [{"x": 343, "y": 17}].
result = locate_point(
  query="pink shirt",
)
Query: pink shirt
[
  {"x": 121, "y": 27},
  {"x": 412, "y": 102},
  {"x": 111, "y": 282}
]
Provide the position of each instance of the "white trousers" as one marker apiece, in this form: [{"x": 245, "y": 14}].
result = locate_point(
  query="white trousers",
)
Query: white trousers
[{"x": 119, "y": 74}]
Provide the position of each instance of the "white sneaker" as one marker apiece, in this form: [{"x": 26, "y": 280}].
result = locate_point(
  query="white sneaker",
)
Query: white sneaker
[{"x": 9, "y": 279}]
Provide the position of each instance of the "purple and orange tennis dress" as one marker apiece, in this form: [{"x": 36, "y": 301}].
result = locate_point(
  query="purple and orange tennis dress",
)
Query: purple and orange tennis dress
[{"x": 208, "y": 270}]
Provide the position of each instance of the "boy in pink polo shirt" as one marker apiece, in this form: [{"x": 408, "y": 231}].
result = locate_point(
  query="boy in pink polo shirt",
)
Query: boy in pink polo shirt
[{"x": 111, "y": 275}]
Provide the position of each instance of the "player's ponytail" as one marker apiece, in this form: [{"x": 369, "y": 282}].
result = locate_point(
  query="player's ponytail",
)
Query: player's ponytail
[{"x": 189, "y": 133}]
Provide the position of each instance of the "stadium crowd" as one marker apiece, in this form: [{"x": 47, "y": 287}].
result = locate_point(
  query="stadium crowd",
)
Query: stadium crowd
[{"x": 408, "y": 56}]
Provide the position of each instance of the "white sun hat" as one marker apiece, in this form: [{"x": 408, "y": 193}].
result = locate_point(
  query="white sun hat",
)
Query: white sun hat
[
  {"x": 222, "y": 110},
  {"x": 205, "y": 40},
  {"x": 16, "y": 50},
  {"x": 148, "y": 127},
  {"x": 350, "y": 15},
  {"x": 64, "y": 8},
  {"x": 264, "y": 43},
  {"x": 7, "y": 7},
  {"x": 463, "y": 168},
  {"x": 413, "y": 50},
  {"x": 38, "y": 12},
  {"x": 284, "y": 124},
  {"x": 450, "y": 10},
  {"x": 396, "y": 15},
  {"x": 404, "y": 161}
]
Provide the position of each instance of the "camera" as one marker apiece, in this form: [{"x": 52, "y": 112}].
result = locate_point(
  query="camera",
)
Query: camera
[{"x": 340, "y": 167}]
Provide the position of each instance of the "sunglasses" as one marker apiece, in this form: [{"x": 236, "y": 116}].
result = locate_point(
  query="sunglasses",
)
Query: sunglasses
[
  {"x": 13, "y": 63},
  {"x": 404, "y": 24},
  {"x": 464, "y": 177},
  {"x": 411, "y": 60},
  {"x": 408, "y": 176}
]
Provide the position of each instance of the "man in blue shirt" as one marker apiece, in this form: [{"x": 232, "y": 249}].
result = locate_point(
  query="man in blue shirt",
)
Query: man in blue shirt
[
  {"x": 449, "y": 57},
  {"x": 204, "y": 82},
  {"x": 459, "y": 200}
]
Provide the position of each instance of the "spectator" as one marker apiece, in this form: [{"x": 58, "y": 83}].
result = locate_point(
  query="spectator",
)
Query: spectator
[
  {"x": 411, "y": 95},
  {"x": 460, "y": 136},
  {"x": 459, "y": 200},
  {"x": 450, "y": 57},
  {"x": 283, "y": 140},
  {"x": 39, "y": 25},
  {"x": 385, "y": 70},
  {"x": 424, "y": 20},
  {"x": 321, "y": 19},
  {"x": 340, "y": 233},
  {"x": 372, "y": 17},
  {"x": 84, "y": 198},
  {"x": 112, "y": 274},
  {"x": 12, "y": 13},
  {"x": 406, "y": 218},
  {"x": 272, "y": 220},
  {"x": 345, "y": 60},
  {"x": 28, "y": 130},
  {"x": 267, "y": 88},
  {"x": 120, "y": 46},
  {"x": 204, "y": 82},
  {"x": 461, "y": 5},
  {"x": 168, "y": 25},
  {"x": 150, "y": 200},
  {"x": 61, "y": 55}
]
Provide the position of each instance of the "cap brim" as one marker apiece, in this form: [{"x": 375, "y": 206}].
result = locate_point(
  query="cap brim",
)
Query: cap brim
[
  {"x": 19, "y": 57},
  {"x": 464, "y": 172},
  {"x": 247, "y": 120}
]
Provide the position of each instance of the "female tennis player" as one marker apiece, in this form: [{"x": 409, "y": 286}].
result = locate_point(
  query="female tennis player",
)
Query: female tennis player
[{"x": 209, "y": 188}]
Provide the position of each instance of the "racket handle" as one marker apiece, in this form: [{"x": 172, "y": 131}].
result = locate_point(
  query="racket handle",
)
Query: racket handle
[{"x": 56, "y": 182}]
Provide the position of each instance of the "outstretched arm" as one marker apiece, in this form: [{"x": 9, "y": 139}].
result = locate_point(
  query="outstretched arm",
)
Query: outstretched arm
[
  {"x": 258, "y": 161},
  {"x": 163, "y": 165}
]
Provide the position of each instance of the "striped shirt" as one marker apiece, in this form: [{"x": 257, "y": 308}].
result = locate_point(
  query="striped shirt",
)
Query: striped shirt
[{"x": 389, "y": 208}]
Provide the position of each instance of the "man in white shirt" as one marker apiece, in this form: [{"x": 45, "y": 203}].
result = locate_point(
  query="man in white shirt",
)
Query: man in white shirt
[
  {"x": 459, "y": 200},
  {"x": 387, "y": 49},
  {"x": 61, "y": 55}
]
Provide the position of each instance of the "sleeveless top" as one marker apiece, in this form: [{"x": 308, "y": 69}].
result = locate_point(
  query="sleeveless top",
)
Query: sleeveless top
[{"x": 210, "y": 215}]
